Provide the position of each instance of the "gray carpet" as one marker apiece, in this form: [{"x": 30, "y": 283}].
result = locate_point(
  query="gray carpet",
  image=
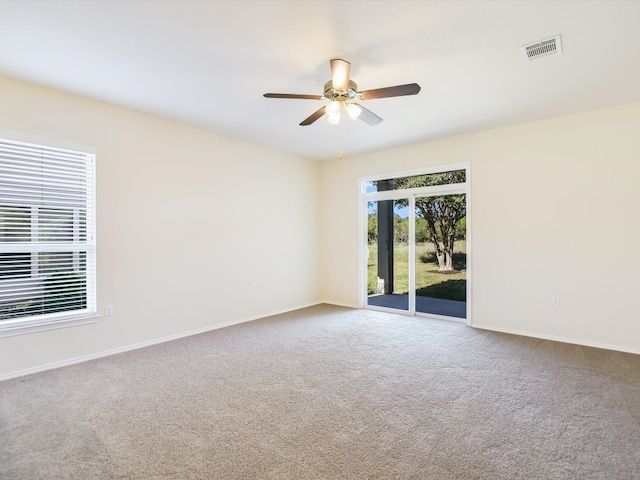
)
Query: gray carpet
[{"x": 330, "y": 393}]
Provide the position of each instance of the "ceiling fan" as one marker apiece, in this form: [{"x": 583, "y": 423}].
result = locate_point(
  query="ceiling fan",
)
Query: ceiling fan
[{"x": 342, "y": 93}]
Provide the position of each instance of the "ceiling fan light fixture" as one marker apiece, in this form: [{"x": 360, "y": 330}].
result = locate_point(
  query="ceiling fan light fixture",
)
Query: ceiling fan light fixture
[
  {"x": 333, "y": 108},
  {"x": 353, "y": 110},
  {"x": 334, "y": 119},
  {"x": 333, "y": 112}
]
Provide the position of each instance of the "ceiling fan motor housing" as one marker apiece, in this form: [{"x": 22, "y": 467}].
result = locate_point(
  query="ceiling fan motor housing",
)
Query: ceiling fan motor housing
[{"x": 335, "y": 95}]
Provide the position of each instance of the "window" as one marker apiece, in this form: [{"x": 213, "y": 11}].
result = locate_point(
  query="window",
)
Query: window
[
  {"x": 416, "y": 181},
  {"x": 47, "y": 237}
]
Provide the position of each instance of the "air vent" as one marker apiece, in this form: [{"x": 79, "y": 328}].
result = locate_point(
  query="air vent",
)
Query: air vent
[{"x": 542, "y": 48}]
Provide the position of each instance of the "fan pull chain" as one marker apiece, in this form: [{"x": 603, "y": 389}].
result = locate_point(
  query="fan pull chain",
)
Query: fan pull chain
[{"x": 341, "y": 139}]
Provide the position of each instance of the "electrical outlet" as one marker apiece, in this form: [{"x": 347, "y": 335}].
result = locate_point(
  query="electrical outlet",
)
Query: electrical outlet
[
  {"x": 108, "y": 310},
  {"x": 555, "y": 300}
]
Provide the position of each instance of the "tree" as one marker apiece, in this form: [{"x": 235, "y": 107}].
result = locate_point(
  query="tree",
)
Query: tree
[
  {"x": 400, "y": 229},
  {"x": 442, "y": 214},
  {"x": 372, "y": 228}
]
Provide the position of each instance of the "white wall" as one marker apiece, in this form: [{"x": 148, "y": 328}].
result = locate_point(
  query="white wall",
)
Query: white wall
[
  {"x": 187, "y": 222},
  {"x": 554, "y": 212}
]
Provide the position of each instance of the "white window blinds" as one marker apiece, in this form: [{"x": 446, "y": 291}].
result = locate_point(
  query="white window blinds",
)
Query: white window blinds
[{"x": 47, "y": 233}]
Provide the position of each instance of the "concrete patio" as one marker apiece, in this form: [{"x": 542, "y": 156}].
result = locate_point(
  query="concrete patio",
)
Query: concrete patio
[{"x": 436, "y": 306}]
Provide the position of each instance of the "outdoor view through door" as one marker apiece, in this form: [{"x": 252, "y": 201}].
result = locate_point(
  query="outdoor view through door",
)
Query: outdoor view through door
[{"x": 417, "y": 243}]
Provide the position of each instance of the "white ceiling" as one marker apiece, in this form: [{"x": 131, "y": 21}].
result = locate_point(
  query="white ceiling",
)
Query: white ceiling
[{"x": 207, "y": 63}]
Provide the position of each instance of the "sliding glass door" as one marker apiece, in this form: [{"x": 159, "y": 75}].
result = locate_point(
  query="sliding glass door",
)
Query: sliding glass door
[
  {"x": 416, "y": 244},
  {"x": 388, "y": 254},
  {"x": 440, "y": 255}
]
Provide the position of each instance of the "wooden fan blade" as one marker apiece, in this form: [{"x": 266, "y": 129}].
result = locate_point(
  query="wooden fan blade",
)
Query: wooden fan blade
[
  {"x": 367, "y": 116},
  {"x": 313, "y": 117},
  {"x": 340, "y": 74},
  {"x": 293, "y": 95},
  {"x": 397, "y": 91}
]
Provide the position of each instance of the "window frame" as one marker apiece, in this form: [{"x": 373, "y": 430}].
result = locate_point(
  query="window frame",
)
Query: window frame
[{"x": 84, "y": 247}]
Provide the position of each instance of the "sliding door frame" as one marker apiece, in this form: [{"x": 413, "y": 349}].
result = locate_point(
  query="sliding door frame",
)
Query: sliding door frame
[{"x": 410, "y": 195}]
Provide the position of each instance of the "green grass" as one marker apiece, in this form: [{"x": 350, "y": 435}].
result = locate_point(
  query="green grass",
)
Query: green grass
[{"x": 429, "y": 282}]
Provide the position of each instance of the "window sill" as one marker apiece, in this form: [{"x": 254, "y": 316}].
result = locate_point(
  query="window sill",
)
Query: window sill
[{"x": 12, "y": 328}]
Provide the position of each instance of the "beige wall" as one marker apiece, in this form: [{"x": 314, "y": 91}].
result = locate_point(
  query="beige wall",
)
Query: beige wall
[
  {"x": 187, "y": 222},
  {"x": 554, "y": 212}
]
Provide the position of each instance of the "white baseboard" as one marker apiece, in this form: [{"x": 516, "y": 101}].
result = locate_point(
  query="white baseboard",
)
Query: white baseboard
[
  {"x": 156, "y": 341},
  {"x": 554, "y": 338},
  {"x": 127, "y": 348},
  {"x": 340, "y": 304}
]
